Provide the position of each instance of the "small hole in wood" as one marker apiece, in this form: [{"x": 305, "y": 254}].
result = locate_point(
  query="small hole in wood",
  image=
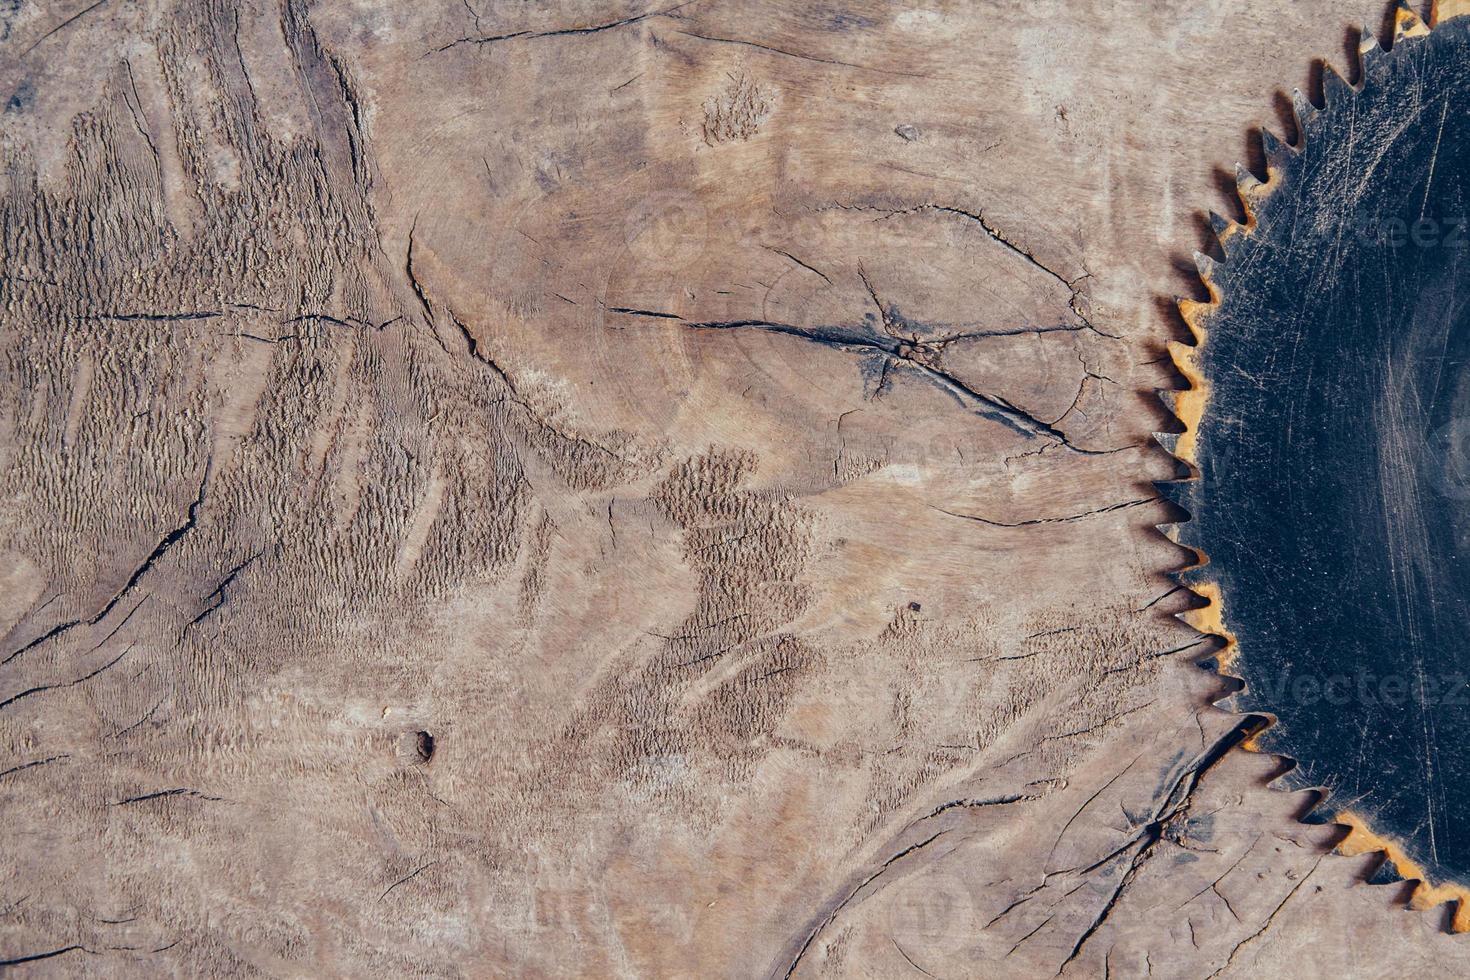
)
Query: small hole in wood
[
  {"x": 423, "y": 746},
  {"x": 413, "y": 748}
]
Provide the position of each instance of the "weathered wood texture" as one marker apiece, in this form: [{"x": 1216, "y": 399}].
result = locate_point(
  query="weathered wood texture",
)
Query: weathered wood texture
[{"x": 722, "y": 428}]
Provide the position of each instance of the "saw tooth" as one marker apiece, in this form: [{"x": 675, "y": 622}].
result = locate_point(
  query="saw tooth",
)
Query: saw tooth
[
  {"x": 1169, "y": 531},
  {"x": 1387, "y": 873},
  {"x": 1306, "y": 113},
  {"x": 1190, "y": 577},
  {"x": 1205, "y": 265},
  {"x": 1246, "y": 181},
  {"x": 1225, "y": 231},
  {"x": 1268, "y": 739},
  {"x": 1277, "y": 152},
  {"x": 1180, "y": 493},
  {"x": 1406, "y": 23},
  {"x": 1368, "y": 47},
  {"x": 1335, "y": 88},
  {"x": 1186, "y": 535}
]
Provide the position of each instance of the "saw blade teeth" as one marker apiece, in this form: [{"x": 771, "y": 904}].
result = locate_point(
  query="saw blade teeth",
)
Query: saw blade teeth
[{"x": 1201, "y": 465}]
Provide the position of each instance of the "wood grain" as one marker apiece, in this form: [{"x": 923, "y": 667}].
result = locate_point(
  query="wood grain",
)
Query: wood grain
[{"x": 615, "y": 490}]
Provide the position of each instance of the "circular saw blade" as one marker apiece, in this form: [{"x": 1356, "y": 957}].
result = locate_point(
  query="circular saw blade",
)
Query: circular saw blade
[{"x": 1327, "y": 427}]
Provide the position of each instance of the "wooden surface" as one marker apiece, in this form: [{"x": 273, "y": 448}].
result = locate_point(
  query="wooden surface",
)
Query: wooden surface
[{"x": 618, "y": 490}]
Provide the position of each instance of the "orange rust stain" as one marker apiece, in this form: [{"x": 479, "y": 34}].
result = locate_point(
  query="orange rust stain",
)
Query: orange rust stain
[
  {"x": 1361, "y": 839},
  {"x": 1189, "y": 404},
  {"x": 1406, "y": 23},
  {"x": 1251, "y": 193},
  {"x": 1211, "y": 619}
]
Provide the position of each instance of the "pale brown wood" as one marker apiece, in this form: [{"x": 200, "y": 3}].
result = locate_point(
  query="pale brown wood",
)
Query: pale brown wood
[{"x": 451, "y": 529}]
